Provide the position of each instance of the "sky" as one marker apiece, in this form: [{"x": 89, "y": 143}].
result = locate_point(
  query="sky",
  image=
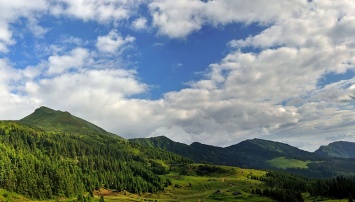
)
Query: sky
[{"x": 213, "y": 71}]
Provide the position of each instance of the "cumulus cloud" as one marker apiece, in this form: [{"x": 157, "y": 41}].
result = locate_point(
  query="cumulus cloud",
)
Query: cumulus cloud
[
  {"x": 140, "y": 23},
  {"x": 92, "y": 83},
  {"x": 177, "y": 19},
  {"x": 14, "y": 102},
  {"x": 112, "y": 42},
  {"x": 101, "y": 11},
  {"x": 10, "y": 11},
  {"x": 74, "y": 60},
  {"x": 271, "y": 93}
]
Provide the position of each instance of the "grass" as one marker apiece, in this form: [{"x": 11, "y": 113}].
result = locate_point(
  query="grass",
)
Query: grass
[
  {"x": 203, "y": 188},
  {"x": 11, "y": 196},
  {"x": 284, "y": 163}
]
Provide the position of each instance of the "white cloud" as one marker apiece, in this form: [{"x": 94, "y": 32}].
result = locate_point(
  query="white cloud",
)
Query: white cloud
[
  {"x": 10, "y": 11},
  {"x": 140, "y": 23},
  {"x": 76, "y": 59},
  {"x": 241, "y": 96},
  {"x": 37, "y": 30},
  {"x": 176, "y": 133},
  {"x": 92, "y": 10},
  {"x": 178, "y": 19},
  {"x": 271, "y": 93},
  {"x": 93, "y": 83},
  {"x": 14, "y": 104},
  {"x": 112, "y": 42}
]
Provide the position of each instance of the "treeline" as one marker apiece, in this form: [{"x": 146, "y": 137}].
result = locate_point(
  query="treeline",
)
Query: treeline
[
  {"x": 203, "y": 170},
  {"x": 289, "y": 187},
  {"x": 282, "y": 195},
  {"x": 43, "y": 165},
  {"x": 326, "y": 168},
  {"x": 339, "y": 187}
]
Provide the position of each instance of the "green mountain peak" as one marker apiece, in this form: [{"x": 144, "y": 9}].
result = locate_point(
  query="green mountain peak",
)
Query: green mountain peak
[{"x": 58, "y": 121}]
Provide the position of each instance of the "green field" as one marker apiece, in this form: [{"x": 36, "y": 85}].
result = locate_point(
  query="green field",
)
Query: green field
[
  {"x": 217, "y": 187},
  {"x": 284, "y": 163}
]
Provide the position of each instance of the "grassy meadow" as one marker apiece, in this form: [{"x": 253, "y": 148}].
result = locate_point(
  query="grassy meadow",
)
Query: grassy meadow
[
  {"x": 214, "y": 187},
  {"x": 284, "y": 163}
]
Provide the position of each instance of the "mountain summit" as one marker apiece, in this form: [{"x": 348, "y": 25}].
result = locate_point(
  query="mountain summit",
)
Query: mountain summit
[{"x": 56, "y": 120}]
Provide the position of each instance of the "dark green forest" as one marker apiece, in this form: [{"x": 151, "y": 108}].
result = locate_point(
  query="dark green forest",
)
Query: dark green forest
[
  {"x": 288, "y": 187},
  {"x": 42, "y": 165},
  {"x": 256, "y": 153}
]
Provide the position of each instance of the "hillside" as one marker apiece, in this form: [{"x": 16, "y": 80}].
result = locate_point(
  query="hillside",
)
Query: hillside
[
  {"x": 339, "y": 149},
  {"x": 249, "y": 153},
  {"x": 52, "y": 154},
  {"x": 54, "y": 121},
  {"x": 268, "y": 149},
  {"x": 196, "y": 151},
  {"x": 257, "y": 154}
]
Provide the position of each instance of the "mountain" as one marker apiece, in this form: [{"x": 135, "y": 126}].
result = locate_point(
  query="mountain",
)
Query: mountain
[
  {"x": 196, "y": 151},
  {"x": 249, "y": 153},
  {"x": 52, "y": 154},
  {"x": 54, "y": 120},
  {"x": 267, "y": 149},
  {"x": 165, "y": 143},
  {"x": 258, "y": 154},
  {"x": 339, "y": 149}
]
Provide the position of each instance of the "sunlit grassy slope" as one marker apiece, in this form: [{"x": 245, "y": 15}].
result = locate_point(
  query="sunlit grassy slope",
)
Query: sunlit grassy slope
[
  {"x": 54, "y": 121},
  {"x": 11, "y": 197},
  {"x": 232, "y": 186},
  {"x": 284, "y": 163}
]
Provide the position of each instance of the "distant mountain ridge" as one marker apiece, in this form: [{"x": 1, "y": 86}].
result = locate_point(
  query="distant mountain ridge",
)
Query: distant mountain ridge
[
  {"x": 261, "y": 154},
  {"x": 249, "y": 153},
  {"x": 339, "y": 149}
]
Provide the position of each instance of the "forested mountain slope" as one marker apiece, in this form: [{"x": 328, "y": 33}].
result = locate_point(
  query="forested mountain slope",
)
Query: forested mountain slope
[
  {"x": 248, "y": 153},
  {"x": 259, "y": 154},
  {"x": 41, "y": 160},
  {"x": 339, "y": 149}
]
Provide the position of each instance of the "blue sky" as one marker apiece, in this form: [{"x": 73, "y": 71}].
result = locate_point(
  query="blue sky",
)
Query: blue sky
[{"x": 217, "y": 72}]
